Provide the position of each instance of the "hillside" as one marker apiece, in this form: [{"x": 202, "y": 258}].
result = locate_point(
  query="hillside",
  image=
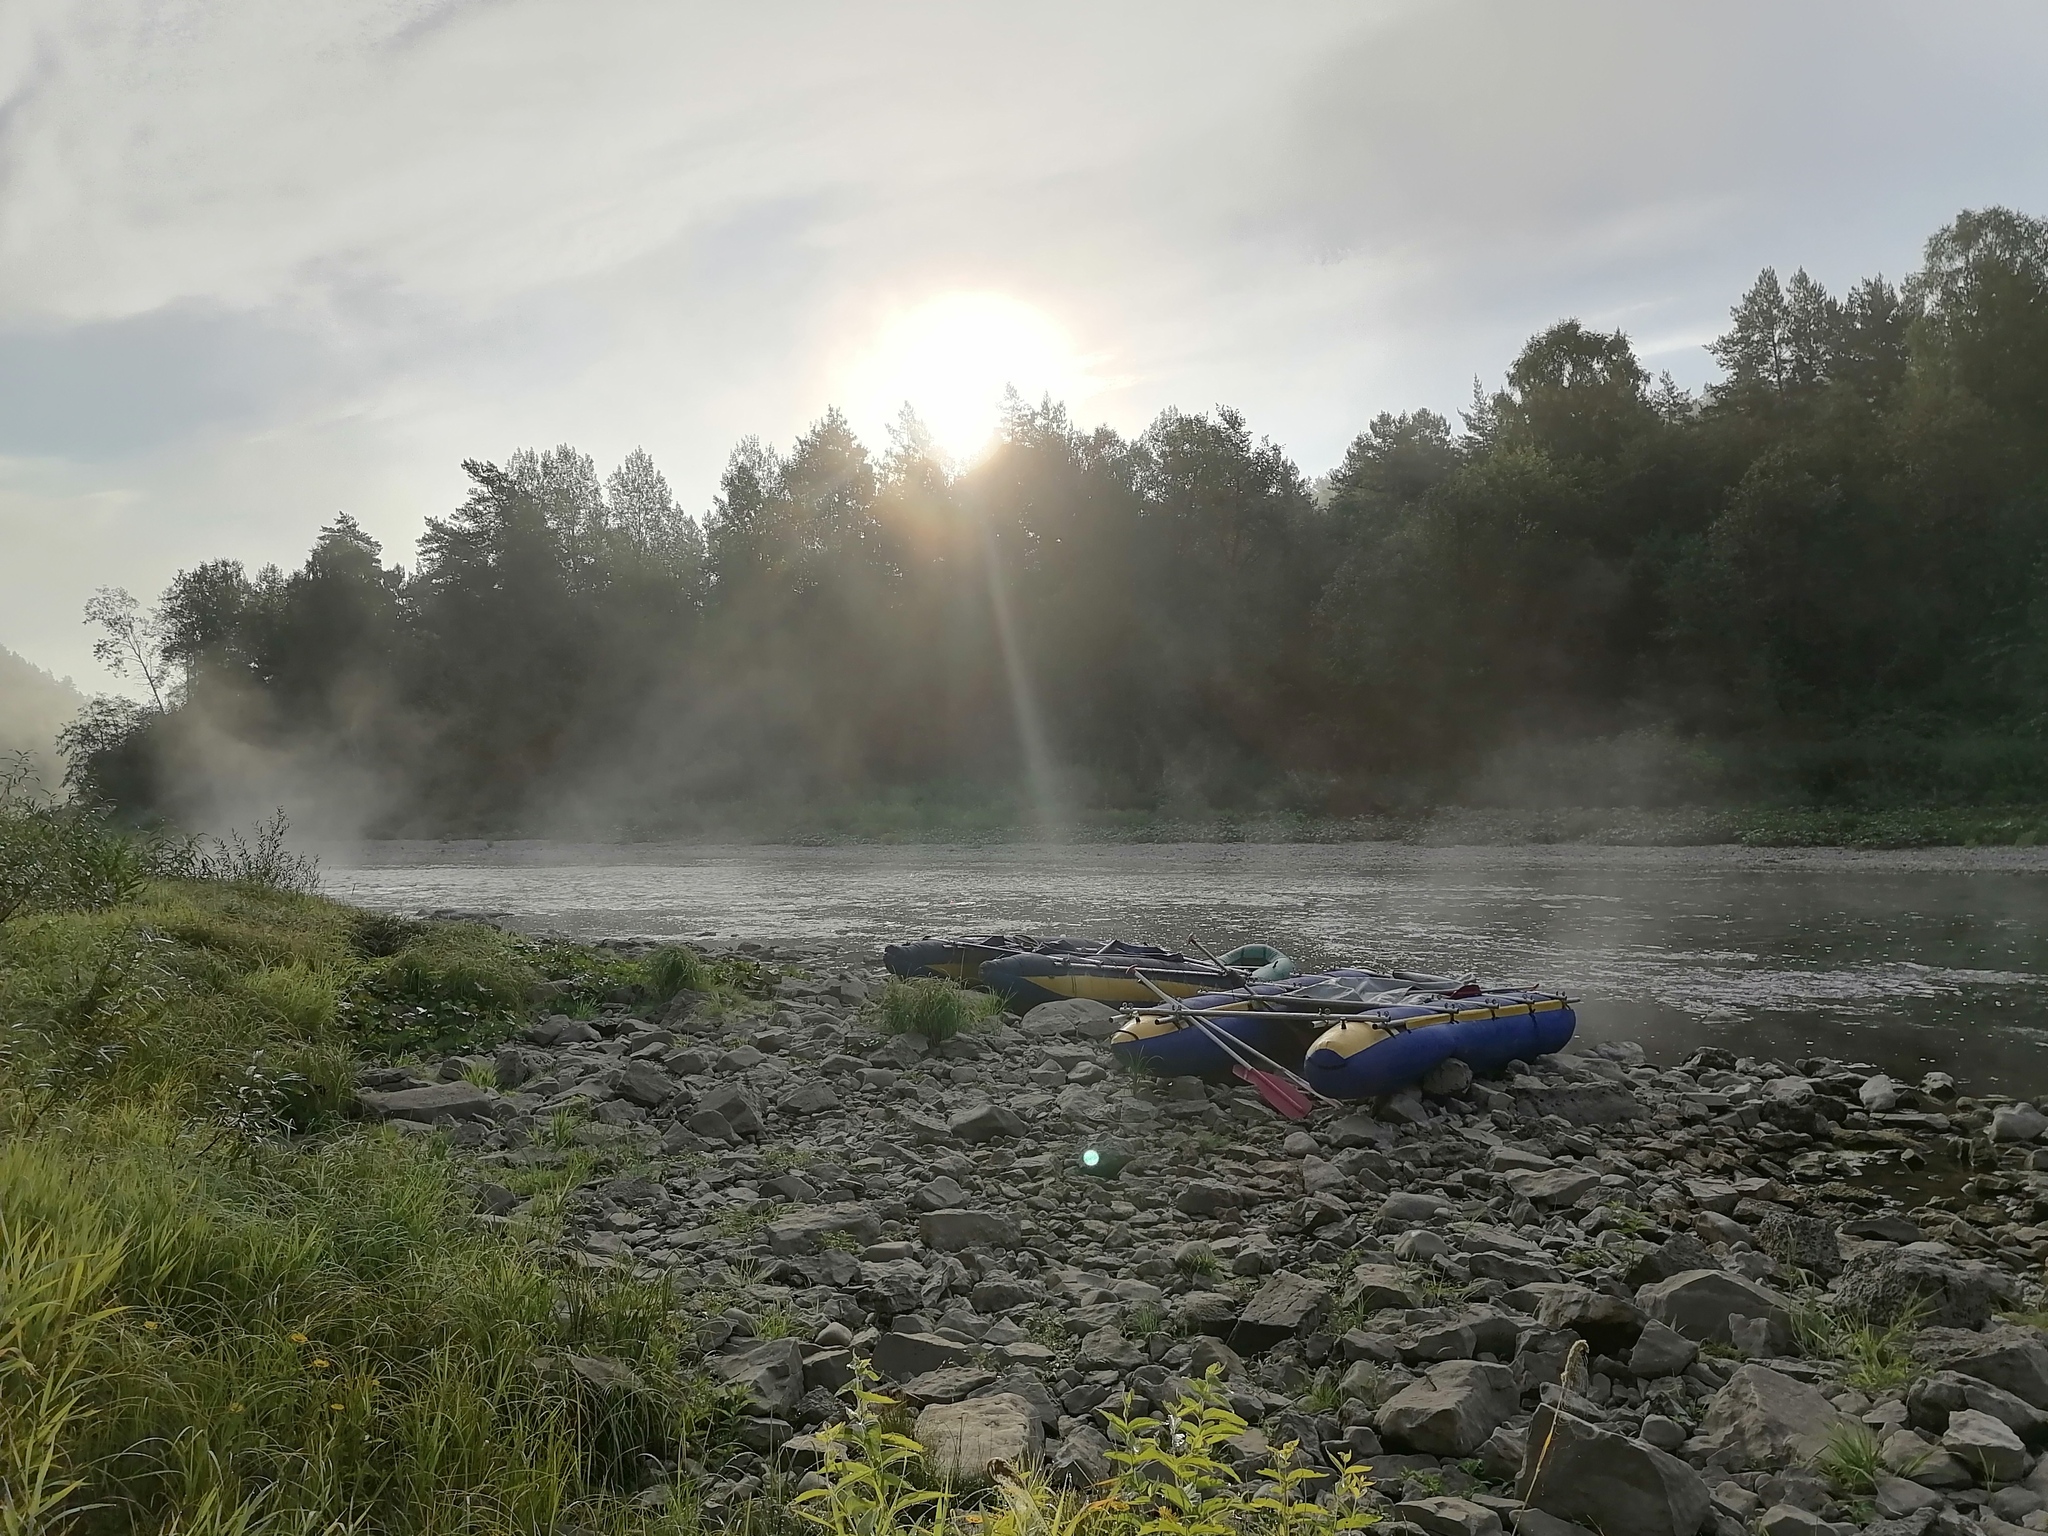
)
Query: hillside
[{"x": 34, "y": 706}]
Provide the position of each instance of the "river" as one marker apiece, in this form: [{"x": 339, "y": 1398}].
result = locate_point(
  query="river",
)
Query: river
[{"x": 1911, "y": 961}]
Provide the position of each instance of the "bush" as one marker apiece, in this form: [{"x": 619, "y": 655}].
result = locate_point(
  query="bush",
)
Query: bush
[
  {"x": 57, "y": 858},
  {"x": 933, "y": 1007},
  {"x": 675, "y": 969}
]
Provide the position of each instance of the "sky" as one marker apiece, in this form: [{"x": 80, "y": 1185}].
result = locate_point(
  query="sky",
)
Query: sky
[{"x": 262, "y": 263}]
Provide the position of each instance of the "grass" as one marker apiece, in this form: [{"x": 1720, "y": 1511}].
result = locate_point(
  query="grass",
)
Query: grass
[
  {"x": 1877, "y": 1357},
  {"x": 675, "y": 969},
  {"x": 933, "y": 1007},
  {"x": 1198, "y": 1262},
  {"x": 1852, "y": 1459},
  {"x": 225, "y": 1307}
]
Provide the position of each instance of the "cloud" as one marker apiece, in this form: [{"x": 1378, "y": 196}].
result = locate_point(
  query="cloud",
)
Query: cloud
[{"x": 259, "y": 263}]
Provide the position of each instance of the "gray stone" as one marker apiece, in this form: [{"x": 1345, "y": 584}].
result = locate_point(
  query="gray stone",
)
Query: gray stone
[
  {"x": 436, "y": 1104},
  {"x": 808, "y": 1098},
  {"x": 798, "y": 1231},
  {"x": 737, "y": 1109},
  {"x": 901, "y": 1356},
  {"x": 951, "y": 1231},
  {"x": 1080, "y": 1459},
  {"x": 1106, "y": 1349},
  {"x": 962, "y": 1440},
  {"x": 1204, "y": 1197},
  {"x": 1551, "y": 1188},
  {"x": 1763, "y": 1419},
  {"x": 2017, "y": 1122},
  {"x": 1452, "y": 1410},
  {"x": 1879, "y": 1094},
  {"x": 1944, "y": 1292},
  {"x": 1376, "y": 1286},
  {"x": 1286, "y": 1305},
  {"x": 771, "y": 1373},
  {"x": 710, "y": 1125},
  {"x": 1916, "y": 1457},
  {"x": 1446, "y": 1079},
  {"x": 643, "y": 1083},
  {"x": 1512, "y": 1269},
  {"x": 1072, "y": 1016},
  {"x": 1665, "y": 1434},
  {"x": 948, "y": 1384},
  {"x": 1581, "y": 1103},
  {"x": 1933, "y": 1398},
  {"x": 1661, "y": 1351},
  {"x": 1447, "y": 1516},
  {"x": 1791, "y": 1520},
  {"x": 940, "y": 1194},
  {"x": 2008, "y": 1357},
  {"x": 1609, "y": 1324},
  {"x": 985, "y": 1122},
  {"x": 1674, "y": 1256},
  {"x": 1596, "y": 1478},
  {"x": 1209, "y": 1311},
  {"x": 1699, "y": 1303},
  {"x": 1536, "y": 1522},
  {"x": 1800, "y": 1242},
  {"x": 1895, "y": 1496},
  {"x": 1985, "y": 1446},
  {"x": 1412, "y": 1206}
]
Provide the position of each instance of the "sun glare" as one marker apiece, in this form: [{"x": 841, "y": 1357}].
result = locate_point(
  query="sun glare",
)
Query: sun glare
[{"x": 952, "y": 358}]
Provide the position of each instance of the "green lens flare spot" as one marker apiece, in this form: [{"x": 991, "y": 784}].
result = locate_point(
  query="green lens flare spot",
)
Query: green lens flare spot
[{"x": 1091, "y": 1158}]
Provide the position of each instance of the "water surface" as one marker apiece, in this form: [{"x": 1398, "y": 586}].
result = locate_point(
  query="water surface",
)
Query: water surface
[{"x": 1910, "y": 961}]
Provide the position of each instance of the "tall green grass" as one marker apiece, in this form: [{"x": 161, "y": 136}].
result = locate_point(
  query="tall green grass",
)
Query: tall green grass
[{"x": 933, "y": 1007}]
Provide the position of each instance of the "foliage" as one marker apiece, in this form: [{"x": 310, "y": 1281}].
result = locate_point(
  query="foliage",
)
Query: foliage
[
  {"x": 55, "y": 857},
  {"x": 931, "y": 1006},
  {"x": 235, "y": 860},
  {"x": 1853, "y": 1458},
  {"x": 1877, "y": 1357},
  {"x": 676, "y": 968}
]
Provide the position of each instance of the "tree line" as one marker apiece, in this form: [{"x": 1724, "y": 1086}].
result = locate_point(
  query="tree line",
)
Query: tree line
[{"x": 1821, "y": 579}]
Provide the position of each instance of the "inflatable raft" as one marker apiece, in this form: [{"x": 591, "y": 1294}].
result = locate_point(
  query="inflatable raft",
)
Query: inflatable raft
[
  {"x": 1277, "y": 1018},
  {"x": 1385, "y": 1049},
  {"x": 1025, "y": 973}
]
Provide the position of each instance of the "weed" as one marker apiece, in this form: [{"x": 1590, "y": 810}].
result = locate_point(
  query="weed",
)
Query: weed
[
  {"x": 673, "y": 969},
  {"x": 782, "y": 1157},
  {"x": 480, "y": 1074},
  {"x": 1323, "y": 1394},
  {"x": 778, "y": 1323},
  {"x": 740, "y": 1221},
  {"x": 56, "y": 858},
  {"x": 1852, "y": 1459},
  {"x": 1198, "y": 1261},
  {"x": 265, "y": 864},
  {"x": 1146, "y": 1318},
  {"x": 561, "y": 1127},
  {"x": 844, "y": 1242},
  {"x": 933, "y": 1007},
  {"x": 1877, "y": 1356}
]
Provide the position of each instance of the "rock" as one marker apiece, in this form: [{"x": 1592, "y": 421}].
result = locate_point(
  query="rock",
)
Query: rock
[
  {"x": 901, "y": 1356},
  {"x": 1512, "y": 1270},
  {"x": 1080, "y": 1460},
  {"x": 1985, "y": 1446},
  {"x": 436, "y": 1104},
  {"x": 1764, "y": 1419},
  {"x": 1204, "y": 1197},
  {"x": 1581, "y": 1103},
  {"x": 1934, "y": 1398},
  {"x": 1699, "y": 1303},
  {"x": 771, "y": 1373},
  {"x": 2017, "y": 1122},
  {"x": 1665, "y": 1434},
  {"x": 1410, "y": 1206},
  {"x": 1791, "y": 1520},
  {"x": 1596, "y": 1478},
  {"x": 962, "y": 1439},
  {"x": 1070, "y": 1017},
  {"x": 1945, "y": 1292},
  {"x": 951, "y": 1231},
  {"x": 1920, "y": 1459},
  {"x": 810, "y": 1098},
  {"x": 1800, "y": 1242},
  {"x": 1661, "y": 1351},
  {"x": 798, "y": 1231},
  {"x": 1879, "y": 1095},
  {"x": 1376, "y": 1286},
  {"x": 1108, "y": 1350},
  {"x": 1452, "y": 1410},
  {"x": 940, "y": 1194},
  {"x": 1286, "y": 1305},
  {"x": 1610, "y": 1324},
  {"x": 999, "y": 1293},
  {"x": 1534, "y": 1522},
  {"x": 1446, "y": 1079},
  {"x": 1446, "y": 1516},
  {"x": 948, "y": 1384},
  {"x": 645, "y": 1084},
  {"x": 1674, "y": 1256},
  {"x": 1888, "y": 1227},
  {"x": 1896, "y": 1497},
  {"x": 1213, "y": 1312},
  {"x": 731, "y": 1104},
  {"x": 986, "y": 1122},
  {"x": 1552, "y": 1188},
  {"x": 710, "y": 1125},
  {"x": 2010, "y": 1358}
]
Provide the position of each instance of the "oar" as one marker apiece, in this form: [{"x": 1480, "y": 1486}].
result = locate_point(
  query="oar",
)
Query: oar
[{"x": 1277, "y": 1092}]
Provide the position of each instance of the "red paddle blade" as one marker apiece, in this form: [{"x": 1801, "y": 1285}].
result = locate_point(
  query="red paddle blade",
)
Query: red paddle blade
[{"x": 1281, "y": 1095}]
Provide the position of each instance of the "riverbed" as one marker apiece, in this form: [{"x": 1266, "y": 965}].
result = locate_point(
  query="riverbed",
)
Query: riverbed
[{"x": 1909, "y": 961}]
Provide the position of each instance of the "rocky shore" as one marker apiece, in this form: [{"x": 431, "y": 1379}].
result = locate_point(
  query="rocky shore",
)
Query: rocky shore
[{"x": 1592, "y": 1294}]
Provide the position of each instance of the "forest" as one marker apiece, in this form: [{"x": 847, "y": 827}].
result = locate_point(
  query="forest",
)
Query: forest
[{"x": 1820, "y": 582}]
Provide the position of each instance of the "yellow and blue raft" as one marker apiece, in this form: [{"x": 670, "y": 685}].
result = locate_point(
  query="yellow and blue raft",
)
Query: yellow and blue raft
[{"x": 1024, "y": 972}]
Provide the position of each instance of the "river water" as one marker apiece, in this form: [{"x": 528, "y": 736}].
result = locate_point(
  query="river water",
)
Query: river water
[{"x": 1910, "y": 961}]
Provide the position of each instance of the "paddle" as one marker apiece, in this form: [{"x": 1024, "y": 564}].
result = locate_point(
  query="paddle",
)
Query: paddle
[{"x": 1278, "y": 1094}]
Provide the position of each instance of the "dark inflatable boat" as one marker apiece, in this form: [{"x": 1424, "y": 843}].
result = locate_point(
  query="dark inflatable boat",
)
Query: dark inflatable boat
[{"x": 1025, "y": 973}]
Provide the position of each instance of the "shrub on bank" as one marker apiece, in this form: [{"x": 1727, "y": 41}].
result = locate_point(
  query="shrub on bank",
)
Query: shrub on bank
[{"x": 933, "y": 1007}]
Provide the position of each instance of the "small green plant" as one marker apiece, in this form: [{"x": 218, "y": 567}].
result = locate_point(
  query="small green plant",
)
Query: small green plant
[
  {"x": 933, "y": 1007},
  {"x": 1323, "y": 1394},
  {"x": 1877, "y": 1356},
  {"x": 480, "y": 1074},
  {"x": 559, "y": 1130},
  {"x": 1146, "y": 1318},
  {"x": 740, "y": 1221},
  {"x": 1852, "y": 1459},
  {"x": 1198, "y": 1261},
  {"x": 778, "y": 1323},
  {"x": 844, "y": 1242},
  {"x": 675, "y": 968}
]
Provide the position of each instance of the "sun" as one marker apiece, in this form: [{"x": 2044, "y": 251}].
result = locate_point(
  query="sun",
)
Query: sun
[{"x": 952, "y": 357}]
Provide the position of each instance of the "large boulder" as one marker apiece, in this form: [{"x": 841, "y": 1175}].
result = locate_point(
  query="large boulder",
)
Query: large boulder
[
  {"x": 798, "y": 1231},
  {"x": 1610, "y": 1325},
  {"x": 1674, "y": 1256},
  {"x": 1443, "y": 1515},
  {"x": 1552, "y": 1188},
  {"x": 1799, "y": 1241},
  {"x": 961, "y": 1440},
  {"x": 1699, "y": 1303},
  {"x": 985, "y": 1122},
  {"x": 1070, "y": 1016},
  {"x": 1943, "y": 1291},
  {"x": 1376, "y": 1286},
  {"x": 1986, "y": 1447},
  {"x": 1764, "y": 1419},
  {"x": 1287, "y": 1304},
  {"x": 645, "y": 1084},
  {"x": 1580, "y": 1103},
  {"x": 771, "y": 1373},
  {"x": 900, "y": 1356},
  {"x": 1452, "y": 1410},
  {"x": 951, "y": 1231},
  {"x": 2008, "y": 1357},
  {"x": 1595, "y": 1478},
  {"x": 1935, "y": 1398},
  {"x": 732, "y": 1106},
  {"x": 436, "y": 1104}
]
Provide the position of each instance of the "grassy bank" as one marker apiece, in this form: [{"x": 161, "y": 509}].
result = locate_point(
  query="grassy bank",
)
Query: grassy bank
[{"x": 226, "y": 1307}]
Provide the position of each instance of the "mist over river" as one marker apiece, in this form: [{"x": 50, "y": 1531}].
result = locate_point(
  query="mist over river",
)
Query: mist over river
[{"x": 1911, "y": 961}]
